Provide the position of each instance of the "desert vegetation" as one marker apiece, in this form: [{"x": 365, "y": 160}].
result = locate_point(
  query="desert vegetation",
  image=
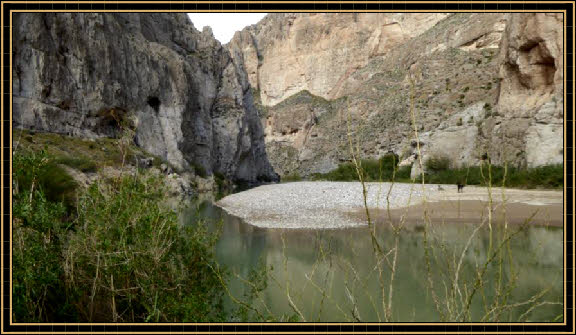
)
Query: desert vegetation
[
  {"x": 383, "y": 169},
  {"x": 114, "y": 251},
  {"x": 548, "y": 176},
  {"x": 439, "y": 170}
]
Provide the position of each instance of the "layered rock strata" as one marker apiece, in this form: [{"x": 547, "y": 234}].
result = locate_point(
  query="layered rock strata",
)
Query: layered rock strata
[{"x": 480, "y": 85}]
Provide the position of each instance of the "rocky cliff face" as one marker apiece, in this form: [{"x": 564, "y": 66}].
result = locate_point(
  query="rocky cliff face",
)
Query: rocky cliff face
[
  {"x": 90, "y": 75},
  {"x": 532, "y": 87},
  {"x": 481, "y": 84},
  {"x": 288, "y": 53}
]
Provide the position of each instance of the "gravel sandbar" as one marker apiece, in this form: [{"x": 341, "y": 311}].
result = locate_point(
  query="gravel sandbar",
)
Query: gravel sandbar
[
  {"x": 317, "y": 205},
  {"x": 328, "y": 205}
]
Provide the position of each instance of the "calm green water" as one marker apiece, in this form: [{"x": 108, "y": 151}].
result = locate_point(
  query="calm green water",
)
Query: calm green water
[{"x": 333, "y": 275}]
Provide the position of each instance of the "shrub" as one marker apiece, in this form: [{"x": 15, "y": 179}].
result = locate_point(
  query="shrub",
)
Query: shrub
[
  {"x": 382, "y": 169},
  {"x": 223, "y": 184},
  {"x": 437, "y": 163},
  {"x": 36, "y": 170},
  {"x": 37, "y": 270},
  {"x": 386, "y": 169},
  {"x": 82, "y": 164},
  {"x": 403, "y": 173},
  {"x": 131, "y": 255},
  {"x": 549, "y": 176},
  {"x": 199, "y": 170},
  {"x": 295, "y": 176},
  {"x": 344, "y": 172},
  {"x": 122, "y": 256},
  {"x": 438, "y": 171},
  {"x": 39, "y": 228}
]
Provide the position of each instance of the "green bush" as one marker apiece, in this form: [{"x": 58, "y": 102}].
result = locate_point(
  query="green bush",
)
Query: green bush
[
  {"x": 82, "y": 164},
  {"x": 388, "y": 166},
  {"x": 199, "y": 170},
  {"x": 223, "y": 184},
  {"x": 130, "y": 254},
  {"x": 295, "y": 176},
  {"x": 437, "y": 163},
  {"x": 39, "y": 227},
  {"x": 438, "y": 171},
  {"x": 403, "y": 173},
  {"x": 36, "y": 170},
  {"x": 383, "y": 169},
  {"x": 121, "y": 256},
  {"x": 549, "y": 176},
  {"x": 344, "y": 172}
]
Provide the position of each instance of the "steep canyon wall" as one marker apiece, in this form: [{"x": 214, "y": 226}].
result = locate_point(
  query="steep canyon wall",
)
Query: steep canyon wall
[
  {"x": 481, "y": 84},
  {"x": 90, "y": 74}
]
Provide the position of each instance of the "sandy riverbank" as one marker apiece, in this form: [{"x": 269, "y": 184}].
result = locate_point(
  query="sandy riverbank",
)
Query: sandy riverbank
[
  {"x": 469, "y": 211},
  {"x": 328, "y": 205}
]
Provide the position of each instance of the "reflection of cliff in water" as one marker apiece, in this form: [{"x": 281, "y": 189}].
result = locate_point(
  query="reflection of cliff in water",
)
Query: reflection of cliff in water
[{"x": 342, "y": 261}]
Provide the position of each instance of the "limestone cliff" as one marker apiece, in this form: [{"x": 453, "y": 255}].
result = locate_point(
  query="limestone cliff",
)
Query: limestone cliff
[
  {"x": 532, "y": 87},
  {"x": 288, "y": 53},
  {"x": 482, "y": 83},
  {"x": 90, "y": 74}
]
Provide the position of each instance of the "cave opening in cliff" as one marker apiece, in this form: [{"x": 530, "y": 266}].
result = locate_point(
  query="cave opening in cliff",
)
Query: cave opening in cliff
[{"x": 154, "y": 102}]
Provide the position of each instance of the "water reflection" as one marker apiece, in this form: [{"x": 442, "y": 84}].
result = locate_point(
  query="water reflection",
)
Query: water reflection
[{"x": 332, "y": 275}]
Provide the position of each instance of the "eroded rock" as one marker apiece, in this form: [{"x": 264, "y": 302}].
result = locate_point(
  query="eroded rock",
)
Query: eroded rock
[
  {"x": 482, "y": 84},
  {"x": 94, "y": 74}
]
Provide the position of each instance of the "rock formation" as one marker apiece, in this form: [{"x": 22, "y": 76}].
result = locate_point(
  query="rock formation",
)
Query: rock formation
[
  {"x": 479, "y": 83},
  {"x": 305, "y": 84},
  {"x": 532, "y": 87},
  {"x": 288, "y": 53},
  {"x": 92, "y": 74}
]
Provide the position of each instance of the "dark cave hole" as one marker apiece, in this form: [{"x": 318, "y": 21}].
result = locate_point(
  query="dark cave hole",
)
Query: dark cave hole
[{"x": 154, "y": 102}]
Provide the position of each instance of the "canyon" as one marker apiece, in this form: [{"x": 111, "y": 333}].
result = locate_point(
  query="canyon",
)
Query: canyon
[
  {"x": 480, "y": 85},
  {"x": 147, "y": 152},
  {"x": 94, "y": 75},
  {"x": 290, "y": 94}
]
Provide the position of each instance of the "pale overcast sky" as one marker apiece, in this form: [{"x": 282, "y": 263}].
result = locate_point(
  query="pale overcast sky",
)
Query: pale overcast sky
[{"x": 224, "y": 25}]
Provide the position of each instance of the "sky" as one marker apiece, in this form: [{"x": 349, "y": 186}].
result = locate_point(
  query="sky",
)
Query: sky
[{"x": 224, "y": 25}]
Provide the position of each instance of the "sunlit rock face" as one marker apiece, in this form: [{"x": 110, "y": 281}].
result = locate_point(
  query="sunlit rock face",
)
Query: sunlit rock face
[
  {"x": 90, "y": 74},
  {"x": 480, "y": 85},
  {"x": 532, "y": 84},
  {"x": 288, "y": 53},
  {"x": 298, "y": 88}
]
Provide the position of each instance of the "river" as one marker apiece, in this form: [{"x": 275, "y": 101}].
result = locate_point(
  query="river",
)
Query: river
[{"x": 333, "y": 275}]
